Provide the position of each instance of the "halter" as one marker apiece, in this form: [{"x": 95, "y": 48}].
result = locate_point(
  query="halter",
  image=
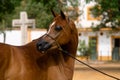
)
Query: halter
[{"x": 58, "y": 45}]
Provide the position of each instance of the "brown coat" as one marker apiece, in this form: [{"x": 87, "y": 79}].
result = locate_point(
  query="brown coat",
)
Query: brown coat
[{"x": 27, "y": 63}]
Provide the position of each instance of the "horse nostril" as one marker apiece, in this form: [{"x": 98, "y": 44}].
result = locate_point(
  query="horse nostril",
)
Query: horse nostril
[
  {"x": 47, "y": 46},
  {"x": 43, "y": 45},
  {"x": 39, "y": 46}
]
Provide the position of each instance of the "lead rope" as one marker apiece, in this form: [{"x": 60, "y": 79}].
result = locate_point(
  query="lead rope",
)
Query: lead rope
[
  {"x": 88, "y": 65},
  {"x": 67, "y": 53}
]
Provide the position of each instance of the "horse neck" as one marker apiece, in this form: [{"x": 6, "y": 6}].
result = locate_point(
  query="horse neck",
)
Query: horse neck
[
  {"x": 73, "y": 43},
  {"x": 32, "y": 49},
  {"x": 71, "y": 48},
  {"x": 62, "y": 61}
]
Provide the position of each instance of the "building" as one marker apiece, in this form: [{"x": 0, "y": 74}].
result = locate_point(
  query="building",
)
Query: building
[{"x": 107, "y": 42}]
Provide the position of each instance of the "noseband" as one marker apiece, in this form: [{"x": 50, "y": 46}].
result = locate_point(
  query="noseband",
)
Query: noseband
[{"x": 58, "y": 45}]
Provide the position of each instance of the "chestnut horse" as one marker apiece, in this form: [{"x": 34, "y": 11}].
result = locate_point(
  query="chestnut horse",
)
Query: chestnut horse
[
  {"x": 63, "y": 34},
  {"x": 41, "y": 59}
]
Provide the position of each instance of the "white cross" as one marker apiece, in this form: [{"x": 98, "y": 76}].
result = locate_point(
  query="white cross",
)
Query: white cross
[{"x": 24, "y": 22}]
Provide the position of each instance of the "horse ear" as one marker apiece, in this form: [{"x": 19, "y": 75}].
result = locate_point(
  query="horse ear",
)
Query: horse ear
[
  {"x": 62, "y": 14},
  {"x": 53, "y": 13}
]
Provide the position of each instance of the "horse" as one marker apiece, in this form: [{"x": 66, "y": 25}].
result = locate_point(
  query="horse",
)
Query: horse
[
  {"x": 41, "y": 59},
  {"x": 62, "y": 35}
]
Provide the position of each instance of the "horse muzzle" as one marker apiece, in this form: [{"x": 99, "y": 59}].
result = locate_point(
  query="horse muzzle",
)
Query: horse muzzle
[{"x": 43, "y": 45}]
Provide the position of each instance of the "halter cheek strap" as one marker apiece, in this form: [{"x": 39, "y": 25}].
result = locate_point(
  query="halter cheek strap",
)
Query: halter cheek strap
[
  {"x": 53, "y": 38},
  {"x": 58, "y": 45}
]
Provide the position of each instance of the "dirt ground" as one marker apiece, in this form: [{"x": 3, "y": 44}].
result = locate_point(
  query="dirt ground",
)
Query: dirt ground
[{"x": 82, "y": 72}]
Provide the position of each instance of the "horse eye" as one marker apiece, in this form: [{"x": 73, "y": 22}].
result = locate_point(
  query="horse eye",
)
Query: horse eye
[{"x": 58, "y": 28}]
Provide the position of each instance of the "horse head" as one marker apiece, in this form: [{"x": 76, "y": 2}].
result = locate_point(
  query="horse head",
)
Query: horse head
[{"x": 59, "y": 33}]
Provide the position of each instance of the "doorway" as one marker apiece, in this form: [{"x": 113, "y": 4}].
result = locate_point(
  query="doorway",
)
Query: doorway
[
  {"x": 93, "y": 46},
  {"x": 116, "y": 49}
]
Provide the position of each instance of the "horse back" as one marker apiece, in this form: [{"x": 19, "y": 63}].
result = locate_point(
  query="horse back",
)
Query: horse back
[
  {"x": 17, "y": 64},
  {"x": 4, "y": 59}
]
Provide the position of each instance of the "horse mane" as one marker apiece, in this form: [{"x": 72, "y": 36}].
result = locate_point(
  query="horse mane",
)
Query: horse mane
[{"x": 74, "y": 36}]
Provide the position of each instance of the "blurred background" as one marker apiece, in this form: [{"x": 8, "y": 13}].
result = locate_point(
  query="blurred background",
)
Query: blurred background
[{"x": 97, "y": 21}]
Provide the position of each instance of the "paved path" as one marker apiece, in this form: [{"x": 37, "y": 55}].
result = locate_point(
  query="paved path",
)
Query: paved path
[{"x": 84, "y": 73}]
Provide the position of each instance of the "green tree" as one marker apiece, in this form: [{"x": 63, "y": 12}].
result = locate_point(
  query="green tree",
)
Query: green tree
[
  {"x": 109, "y": 10},
  {"x": 40, "y": 10},
  {"x": 7, "y": 7}
]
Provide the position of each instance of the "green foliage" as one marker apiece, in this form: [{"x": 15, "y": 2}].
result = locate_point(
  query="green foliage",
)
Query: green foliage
[
  {"x": 109, "y": 10},
  {"x": 6, "y": 10},
  {"x": 40, "y": 11},
  {"x": 86, "y": 50},
  {"x": 36, "y": 9},
  {"x": 6, "y": 7}
]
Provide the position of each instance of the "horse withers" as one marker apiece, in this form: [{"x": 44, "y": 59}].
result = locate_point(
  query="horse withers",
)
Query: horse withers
[
  {"x": 63, "y": 34},
  {"x": 42, "y": 59}
]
